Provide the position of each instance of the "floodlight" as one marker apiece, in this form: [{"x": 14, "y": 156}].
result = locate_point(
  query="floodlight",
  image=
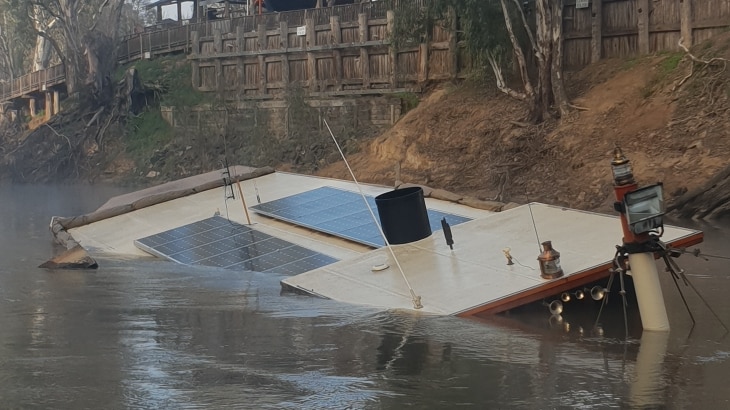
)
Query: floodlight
[{"x": 645, "y": 208}]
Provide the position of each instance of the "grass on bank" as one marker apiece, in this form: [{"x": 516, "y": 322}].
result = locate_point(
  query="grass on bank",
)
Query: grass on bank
[{"x": 149, "y": 131}]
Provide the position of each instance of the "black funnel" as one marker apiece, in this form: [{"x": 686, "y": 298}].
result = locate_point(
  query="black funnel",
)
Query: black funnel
[{"x": 403, "y": 215}]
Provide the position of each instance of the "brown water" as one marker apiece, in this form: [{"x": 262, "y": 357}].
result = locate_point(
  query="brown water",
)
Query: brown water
[{"x": 149, "y": 334}]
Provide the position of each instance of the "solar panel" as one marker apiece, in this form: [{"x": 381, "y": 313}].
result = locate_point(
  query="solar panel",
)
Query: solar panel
[
  {"x": 222, "y": 243},
  {"x": 339, "y": 212}
]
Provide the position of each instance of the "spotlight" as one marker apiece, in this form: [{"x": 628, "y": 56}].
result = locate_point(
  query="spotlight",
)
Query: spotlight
[
  {"x": 565, "y": 297},
  {"x": 598, "y": 292},
  {"x": 579, "y": 294},
  {"x": 555, "y": 307}
]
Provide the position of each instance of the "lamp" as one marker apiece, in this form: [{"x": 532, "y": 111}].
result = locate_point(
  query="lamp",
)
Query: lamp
[
  {"x": 555, "y": 307},
  {"x": 598, "y": 292},
  {"x": 621, "y": 168},
  {"x": 645, "y": 208}
]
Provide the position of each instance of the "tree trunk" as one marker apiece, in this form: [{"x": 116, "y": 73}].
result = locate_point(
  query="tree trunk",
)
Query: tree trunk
[
  {"x": 519, "y": 55},
  {"x": 7, "y": 55},
  {"x": 544, "y": 56},
  {"x": 42, "y": 50},
  {"x": 561, "y": 98}
]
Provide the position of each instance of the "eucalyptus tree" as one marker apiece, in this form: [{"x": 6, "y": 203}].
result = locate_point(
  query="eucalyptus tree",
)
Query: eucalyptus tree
[
  {"x": 15, "y": 39},
  {"x": 500, "y": 34},
  {"x": 84, "y": 35}
]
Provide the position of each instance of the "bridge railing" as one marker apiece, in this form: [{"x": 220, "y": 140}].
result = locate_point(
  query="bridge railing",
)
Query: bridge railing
[{"x": 32, "y": 82}]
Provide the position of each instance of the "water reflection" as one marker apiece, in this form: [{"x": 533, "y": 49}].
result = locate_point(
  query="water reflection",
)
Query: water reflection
[{"x": 647, "y": 387}]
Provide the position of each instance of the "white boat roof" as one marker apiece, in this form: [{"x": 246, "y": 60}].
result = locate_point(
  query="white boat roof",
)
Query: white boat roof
[
  {"x": 472, "y": 278},
  {"x": 475, "y": 274}
]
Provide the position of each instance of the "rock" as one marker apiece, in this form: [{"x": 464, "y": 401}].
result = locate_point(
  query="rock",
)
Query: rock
[
  {"x": 152, "y": 174},
  {"x": 427, "y": 191},
  {"x": 445, "y": 195},
  {"x": 493, "y": 206},
  {"x": 74, "y": 258}
]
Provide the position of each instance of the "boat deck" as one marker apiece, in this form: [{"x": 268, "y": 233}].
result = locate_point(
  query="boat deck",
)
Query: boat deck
[{"x": 473, "y": 278}]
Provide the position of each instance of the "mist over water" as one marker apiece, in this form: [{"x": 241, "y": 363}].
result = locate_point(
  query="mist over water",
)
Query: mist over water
[{"x": 151, "y": 334}]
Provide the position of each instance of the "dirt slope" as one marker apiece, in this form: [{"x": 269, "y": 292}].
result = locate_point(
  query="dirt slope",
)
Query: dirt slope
[{"x": 472, "y": 141}]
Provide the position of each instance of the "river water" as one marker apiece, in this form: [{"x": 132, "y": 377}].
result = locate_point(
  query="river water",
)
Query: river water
[{"x": 155, "y": 335}]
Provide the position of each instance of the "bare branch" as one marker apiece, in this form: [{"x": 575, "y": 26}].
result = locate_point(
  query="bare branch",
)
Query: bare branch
[
  {"x": 529, "y": 90},
  {"x": 60, "y": 135},
  {"x": 501, "y": 85},
  {"x": 699, "y": 60},
  {"x": 528, "y": 30}
]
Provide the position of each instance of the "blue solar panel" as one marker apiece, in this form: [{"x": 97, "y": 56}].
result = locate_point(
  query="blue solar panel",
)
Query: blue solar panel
[
  {"x": 221, "y": 243},
  {"x": 340, "y": 213}
]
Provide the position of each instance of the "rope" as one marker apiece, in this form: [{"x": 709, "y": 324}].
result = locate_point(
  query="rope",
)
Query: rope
[
  {"x": 697, "y": 253},
  {"x": 414, "y": 298}
]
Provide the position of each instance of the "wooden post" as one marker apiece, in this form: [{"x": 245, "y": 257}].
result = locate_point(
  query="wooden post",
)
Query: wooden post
[
  {"x": 141, "y": 46},
  {"x": 159, "y": 14},
  {"x": 685, "y": 15},
  {"x": 362, "y": 21},
  {"x": 218, "y": 41},
  {"x": 453, "y": 46},
  {"x": 262, "y": 62},
  {"x": 311, "y": 41},
  {"x": 240, "y": 69},
  {"x": 423, "y": 62},
  {"x": 643, "y": 25},
  {"x": 284, "y": 41},
  {"x": 392, "y": 52},
  {"x": 32, "y": 107},
  {"x": 195, "y": 46},
  {"x": 56, "y": 102},
  {"x": 179, "y": 12},
  {"x": 194, "y": 51},
  {"x": 262, "y": 75},
  {"x": 243, "y": 200},
  {"x": 261, "y": 31},
  {"x": 336, "y": 53},
  {"x": 49, "y": 106},
  {"x": 240, "y": 39},
  {"x": 596, "y": 31},
  {"x": 218, "y": 48}
]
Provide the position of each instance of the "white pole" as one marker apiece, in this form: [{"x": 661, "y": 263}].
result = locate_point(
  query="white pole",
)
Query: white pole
[{"x": 648, "y": 292}]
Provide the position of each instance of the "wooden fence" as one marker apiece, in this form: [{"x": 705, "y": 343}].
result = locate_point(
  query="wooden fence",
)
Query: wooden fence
[
  {"x": 623, "y": 28},
  {"x": 604, "y": 29},
  {"x": 329, "y": 53}
]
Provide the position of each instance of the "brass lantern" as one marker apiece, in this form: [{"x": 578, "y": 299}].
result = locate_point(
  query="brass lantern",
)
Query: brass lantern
[{"x": 549, "y": 262}]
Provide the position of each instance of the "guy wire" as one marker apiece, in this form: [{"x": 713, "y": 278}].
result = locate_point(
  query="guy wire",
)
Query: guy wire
[
  {"x": 534, "y": 226},
  {"x": 415, "y": 299}
]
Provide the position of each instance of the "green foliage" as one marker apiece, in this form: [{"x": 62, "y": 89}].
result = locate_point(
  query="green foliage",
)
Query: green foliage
[
  {"x": 670, "y": 63},
  {"x": 630, "y": 63},
  {"x": 408, "y": 100},
  {"x": 480, "y": 25},
  {"x": 173, "y": 74},
  {"x": 147, "y": 132}
]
